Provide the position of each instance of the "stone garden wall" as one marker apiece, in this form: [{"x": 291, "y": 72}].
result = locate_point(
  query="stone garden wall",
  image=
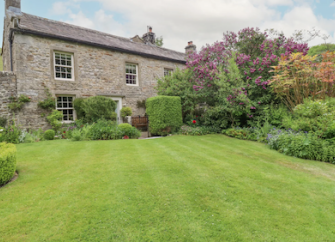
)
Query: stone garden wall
[{"x": 7, "y": 89}]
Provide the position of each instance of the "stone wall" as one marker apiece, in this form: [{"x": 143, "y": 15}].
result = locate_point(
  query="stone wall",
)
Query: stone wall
[
  {"x": 97, "y": 72},
  {"x": 7, "y": 89}
]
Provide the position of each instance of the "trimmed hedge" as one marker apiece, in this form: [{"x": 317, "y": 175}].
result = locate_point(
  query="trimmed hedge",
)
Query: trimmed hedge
[
  {"x": 7, "y": 162},
  {"x": 165, "y": 114}
]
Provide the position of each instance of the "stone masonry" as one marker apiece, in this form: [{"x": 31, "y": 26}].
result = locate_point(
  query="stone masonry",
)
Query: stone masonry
[
  {"x": 97, "y": 71},
  {"x": 8, "y": 89}
]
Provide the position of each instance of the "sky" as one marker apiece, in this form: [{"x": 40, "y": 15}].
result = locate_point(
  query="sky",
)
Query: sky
[{"x": 180, "y": 21}]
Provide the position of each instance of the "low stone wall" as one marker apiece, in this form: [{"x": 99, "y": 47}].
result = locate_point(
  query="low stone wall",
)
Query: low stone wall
[{"x": 7, "y": 89}]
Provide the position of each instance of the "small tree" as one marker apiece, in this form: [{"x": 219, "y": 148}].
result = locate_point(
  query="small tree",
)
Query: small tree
[{"x": 159, "y": 41}]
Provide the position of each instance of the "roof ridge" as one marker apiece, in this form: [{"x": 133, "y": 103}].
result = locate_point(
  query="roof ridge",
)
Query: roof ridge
[{"x": 99, "y": 32}]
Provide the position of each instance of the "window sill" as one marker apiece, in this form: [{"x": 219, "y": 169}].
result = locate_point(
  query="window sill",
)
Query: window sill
[
  {"x": 132, "y": 85},
  {"x": 68, "y": 122},
  {"x": 67, "y": 80}
]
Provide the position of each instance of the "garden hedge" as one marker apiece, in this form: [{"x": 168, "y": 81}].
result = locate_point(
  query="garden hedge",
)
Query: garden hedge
[
  {"x": 165, "y": 114},
  {"x": 7, "y": 162},
  {"x": 98, "y": 107}
]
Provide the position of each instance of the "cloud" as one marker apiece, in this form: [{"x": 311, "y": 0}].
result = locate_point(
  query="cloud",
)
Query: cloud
[
  {"x": 180, "y": 21},
  {"x": 61, "y": 8},
  {"x": 303, "y": 18}
]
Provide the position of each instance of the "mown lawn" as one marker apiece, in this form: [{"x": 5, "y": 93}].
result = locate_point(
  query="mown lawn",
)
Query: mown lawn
[{"x": 180, "y": 188}]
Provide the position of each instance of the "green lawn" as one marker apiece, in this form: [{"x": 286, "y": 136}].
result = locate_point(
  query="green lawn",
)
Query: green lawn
[{"x": 180, "y": 188}]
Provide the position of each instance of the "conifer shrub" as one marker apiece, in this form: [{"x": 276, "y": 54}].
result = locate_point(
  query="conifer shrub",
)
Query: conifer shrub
[
  {"x": 7, "y": 162},
  {"x": 165, "y": 114}
]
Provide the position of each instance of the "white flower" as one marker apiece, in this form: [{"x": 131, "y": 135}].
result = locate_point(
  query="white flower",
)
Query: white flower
[{"x": 1, "y": 130}]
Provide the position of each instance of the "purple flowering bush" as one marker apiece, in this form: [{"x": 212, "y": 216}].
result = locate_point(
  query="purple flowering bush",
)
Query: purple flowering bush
[{"x": 254, "y": 53}]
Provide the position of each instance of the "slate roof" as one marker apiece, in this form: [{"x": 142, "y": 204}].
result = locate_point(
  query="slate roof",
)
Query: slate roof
[{"x": 54, "y": 29}]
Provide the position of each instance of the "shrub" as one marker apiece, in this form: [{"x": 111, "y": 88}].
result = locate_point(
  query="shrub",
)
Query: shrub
[
  {"x": 105, "y": 130},
  {"x": 303, "y": 145},
  {"x": 197, "y": 131},
  {"x": 7, "y": 162},
  {"x": 49, "y": 134},
  {"x": 31, "y": 136},
  {"x": 49, "y": 103},
  {"x": 54, "y": 119},
  {"x": 126, "y": 111},
  {"x": 3, "y": 122},
  {"x": 316, "y": 116},
  {"x": 129, "y": 131},
  {"x": 99, "y": 107},
  {"x": 78, "y": 106},
  {"x": 165, "y": 114},
  {"x": 11, "y": 134}
]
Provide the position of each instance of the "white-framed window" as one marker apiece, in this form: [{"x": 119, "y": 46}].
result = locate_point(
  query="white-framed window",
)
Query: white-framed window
[
  {"x": 65, "y": 105},
  {"x": 167, "y": 72},
  {"x": 131, "y": 74},
  {"x": 63, "y": 64}
]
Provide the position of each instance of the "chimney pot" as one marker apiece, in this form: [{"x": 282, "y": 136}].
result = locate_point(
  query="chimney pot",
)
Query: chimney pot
[{"x": 150, "y": 29}]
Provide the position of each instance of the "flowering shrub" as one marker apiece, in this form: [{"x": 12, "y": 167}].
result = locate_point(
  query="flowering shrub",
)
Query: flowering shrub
[{"x": 298, "y": 77}]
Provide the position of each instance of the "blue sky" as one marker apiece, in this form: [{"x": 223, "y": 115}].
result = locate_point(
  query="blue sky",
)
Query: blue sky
[{"x": 180, "y": 21}]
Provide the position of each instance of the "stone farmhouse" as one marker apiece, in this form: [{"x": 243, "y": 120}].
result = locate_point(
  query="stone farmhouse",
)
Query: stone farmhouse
[{"x": 74, "y": 62}]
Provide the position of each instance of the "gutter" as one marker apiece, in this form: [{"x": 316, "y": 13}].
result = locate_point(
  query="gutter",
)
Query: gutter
[
  {"x": 40, "y": 34},
  {"x": 11, "y": 49}
]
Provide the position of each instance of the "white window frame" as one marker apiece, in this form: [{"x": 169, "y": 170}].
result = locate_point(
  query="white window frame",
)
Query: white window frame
[
  {"x": 167, "y": 69},
  {"x": 72, "y": 66},
  {"x": 61, "y": 109},
  {"x": 129, "y": 63}
]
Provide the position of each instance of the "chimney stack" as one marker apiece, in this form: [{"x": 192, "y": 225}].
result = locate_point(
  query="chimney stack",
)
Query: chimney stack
[
  {"x": 13, "y": 5},
  {"x": 190, "y": 48},
  {"x": 149, "y": 37}
]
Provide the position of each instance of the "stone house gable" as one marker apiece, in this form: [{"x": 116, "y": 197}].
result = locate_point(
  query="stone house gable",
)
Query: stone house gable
[{"x": 76, "y": 62}]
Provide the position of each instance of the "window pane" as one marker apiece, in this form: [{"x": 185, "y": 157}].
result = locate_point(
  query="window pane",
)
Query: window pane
[
  {"x": 64, "y": 99},
  {"x": 69, "y": 76},
  {"x": 70, "y": 99},
  {"x": 59, "y": 99},
  {"x": 57, "y": 62},
  {"x": 70, "y": 111},
  {"x": 64, "y": 105},
  {"x": 58, "y": 75},
  {"x": 63, "y": 62},
  {"x": 57, "y": 68},
  {"x": 71, "y": 118},
  {"x": 63, "y": 75},
  {"x": 69, "y": 63},
  {"x": 69, "y": 70}
]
